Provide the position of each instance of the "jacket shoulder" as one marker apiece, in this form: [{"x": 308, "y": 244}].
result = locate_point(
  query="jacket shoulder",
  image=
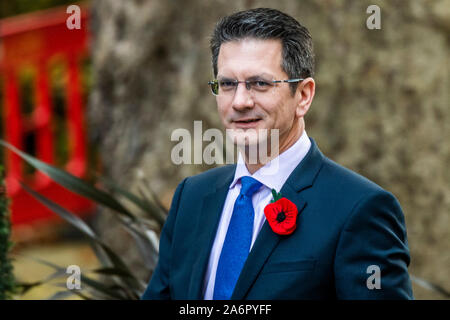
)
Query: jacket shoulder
[
  {"x": 351, "y": 194},
  {"x": 211, "y": 177},
  {"x": 347, "y": 180}
]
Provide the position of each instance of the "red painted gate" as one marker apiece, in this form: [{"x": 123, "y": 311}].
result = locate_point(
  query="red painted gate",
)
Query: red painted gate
[{"x": 33, "y": 43}]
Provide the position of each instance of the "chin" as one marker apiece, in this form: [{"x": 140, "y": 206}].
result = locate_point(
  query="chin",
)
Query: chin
[{"x": 247, "y": 137}]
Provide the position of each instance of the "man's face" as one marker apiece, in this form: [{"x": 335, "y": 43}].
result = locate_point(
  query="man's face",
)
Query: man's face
[{"x": 250, "y": 59}]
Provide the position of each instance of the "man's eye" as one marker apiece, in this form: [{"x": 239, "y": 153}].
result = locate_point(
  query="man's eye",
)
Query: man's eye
[
  {"x": 227, "y": 84},
  {"x": 260, "y": 84}
]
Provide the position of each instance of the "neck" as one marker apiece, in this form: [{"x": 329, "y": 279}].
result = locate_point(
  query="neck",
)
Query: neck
[{"x": 285, "y": 144}]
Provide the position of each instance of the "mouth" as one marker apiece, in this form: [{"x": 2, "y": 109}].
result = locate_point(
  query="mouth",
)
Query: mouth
[{"x": 247, "y": 123}]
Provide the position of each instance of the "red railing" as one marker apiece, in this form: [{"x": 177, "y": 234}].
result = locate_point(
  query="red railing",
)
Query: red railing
[{"x": 34, "y": 42}]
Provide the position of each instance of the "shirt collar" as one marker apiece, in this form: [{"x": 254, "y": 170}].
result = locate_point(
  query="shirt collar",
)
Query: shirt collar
[{"x": 275, "y": 173}]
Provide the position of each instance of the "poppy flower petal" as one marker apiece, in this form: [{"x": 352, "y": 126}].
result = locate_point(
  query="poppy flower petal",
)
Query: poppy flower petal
[{"x": 282, "y": 216}]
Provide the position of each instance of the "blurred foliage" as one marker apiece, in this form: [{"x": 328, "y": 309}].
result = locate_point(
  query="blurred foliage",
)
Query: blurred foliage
[
  {"x": 143, "y": 222},
  {"x": 15, "y": 7},
  {"x": 7, "y": 283}
]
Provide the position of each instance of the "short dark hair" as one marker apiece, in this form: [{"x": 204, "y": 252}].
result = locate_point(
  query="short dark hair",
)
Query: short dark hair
[{"x": 265, "y": 23}]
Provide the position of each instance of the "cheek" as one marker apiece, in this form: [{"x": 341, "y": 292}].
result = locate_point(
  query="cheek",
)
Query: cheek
[
  {"x": 282, "y": 116},
  {"x": 223, "y": 111},
  {"x": 276, "y": 113}
]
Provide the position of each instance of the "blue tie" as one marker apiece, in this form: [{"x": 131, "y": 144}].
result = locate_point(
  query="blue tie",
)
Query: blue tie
[{"x": 237, "y": 241}]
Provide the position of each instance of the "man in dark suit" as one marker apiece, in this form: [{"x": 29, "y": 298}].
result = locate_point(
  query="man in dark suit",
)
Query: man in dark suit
[{"x": 337, "y": 236}]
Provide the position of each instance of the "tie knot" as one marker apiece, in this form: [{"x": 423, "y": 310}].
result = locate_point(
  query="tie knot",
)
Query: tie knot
[{"x": 249, "y": 186}]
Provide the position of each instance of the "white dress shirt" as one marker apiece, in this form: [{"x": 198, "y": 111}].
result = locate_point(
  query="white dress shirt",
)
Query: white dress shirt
[{"x": 286, "y": 162}]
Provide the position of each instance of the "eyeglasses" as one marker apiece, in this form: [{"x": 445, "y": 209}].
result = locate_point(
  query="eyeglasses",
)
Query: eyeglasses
[{"x": 227, "y": 87}]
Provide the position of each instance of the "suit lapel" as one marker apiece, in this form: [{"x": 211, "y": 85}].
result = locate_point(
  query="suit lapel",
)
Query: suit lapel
[
  {"x": 264, "y": 245},
  {"x": 207, "y": 227},
  {"x": 301, "y": 178}
]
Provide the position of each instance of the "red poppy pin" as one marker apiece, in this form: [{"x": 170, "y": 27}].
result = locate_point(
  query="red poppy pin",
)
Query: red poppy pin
[{"x": 281, "y": 213}]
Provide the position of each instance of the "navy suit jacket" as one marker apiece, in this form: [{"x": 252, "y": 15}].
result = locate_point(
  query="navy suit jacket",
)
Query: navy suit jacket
[{"x": 346, "y": 224}]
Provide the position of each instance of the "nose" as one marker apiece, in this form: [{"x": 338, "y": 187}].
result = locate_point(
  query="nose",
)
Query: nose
[{"x": 243, "y": 98}]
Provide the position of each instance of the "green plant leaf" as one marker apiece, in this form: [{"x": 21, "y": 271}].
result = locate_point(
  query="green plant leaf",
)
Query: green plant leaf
[
  {"x": 112, "y": 291},
  {"x": 24, "y": 287},
  {"x": 145, "y": 205},
  {"x": 82, "y": 296},
  {"x": 145, "y": 185},
  {"x": 84, "y": 228},
  {"x": 63, "y": 213},
  {"x": 111, "y": 271},
  {"x": 71, "y": 182},
  {"x": 61, "y": 295}
]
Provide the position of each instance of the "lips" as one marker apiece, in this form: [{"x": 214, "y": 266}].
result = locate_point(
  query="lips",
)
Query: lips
[
  {"x": 247, "y": 123},
  {"x": 247, "y": 120}
]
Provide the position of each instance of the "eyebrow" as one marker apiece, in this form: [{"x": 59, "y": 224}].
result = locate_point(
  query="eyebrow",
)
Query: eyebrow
[{"x": 254, "y": 77}]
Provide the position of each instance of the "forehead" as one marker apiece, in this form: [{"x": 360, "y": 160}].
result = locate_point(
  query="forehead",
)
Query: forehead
[{"x": 249, "y": 57}]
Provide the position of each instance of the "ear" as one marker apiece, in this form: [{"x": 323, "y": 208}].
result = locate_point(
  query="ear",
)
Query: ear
[{"x": 304, "y": 96}]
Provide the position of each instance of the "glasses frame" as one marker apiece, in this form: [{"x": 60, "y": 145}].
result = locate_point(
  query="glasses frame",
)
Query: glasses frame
[{"x": 215, "y": 82}]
